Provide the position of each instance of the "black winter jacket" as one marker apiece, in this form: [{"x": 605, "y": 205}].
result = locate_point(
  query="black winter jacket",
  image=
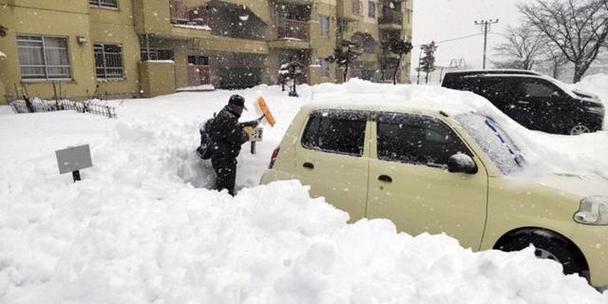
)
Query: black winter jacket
[{"x": 227, "y": 135}]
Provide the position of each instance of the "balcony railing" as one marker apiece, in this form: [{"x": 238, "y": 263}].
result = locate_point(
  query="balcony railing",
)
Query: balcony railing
[
  {"x": 182, "y": 14},
  {"x": 390, "y": 16},
  {"x": 289, "y": 28}
]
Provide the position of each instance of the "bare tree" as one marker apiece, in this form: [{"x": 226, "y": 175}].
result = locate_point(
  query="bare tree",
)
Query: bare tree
[
  {"x": 522, "y": 49},
  {"x": 577, "y": 27},
  {"x": 555, "y": 58}
]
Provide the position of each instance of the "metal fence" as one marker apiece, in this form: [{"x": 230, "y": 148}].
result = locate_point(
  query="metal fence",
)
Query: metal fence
[{"x": 38, "y": 105}]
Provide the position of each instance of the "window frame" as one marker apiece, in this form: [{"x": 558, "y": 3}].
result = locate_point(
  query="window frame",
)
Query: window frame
[
  {"x": 155, "y": 51},
  {"x": 105, "y": 67},
  {"x": 365, "y": 115},
  {"x": 100, "y": 5},
  {"x": 325, "y": 26},
  {"x": 325, "y": 67},
  {"x": 45, "y": 60},
  {"x": 456, "y": 135},
  {"x": 372, "y": 9}
]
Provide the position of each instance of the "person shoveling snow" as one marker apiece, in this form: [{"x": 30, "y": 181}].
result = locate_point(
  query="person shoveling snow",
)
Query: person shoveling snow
[{"x": 222, "y": 137}]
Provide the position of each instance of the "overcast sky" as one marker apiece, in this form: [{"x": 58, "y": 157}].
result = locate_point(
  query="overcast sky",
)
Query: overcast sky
[{"x": 440, "y": 20}]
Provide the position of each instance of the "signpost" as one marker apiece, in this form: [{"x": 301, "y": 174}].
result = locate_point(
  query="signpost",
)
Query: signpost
[
  {"x": 258, "y": 134},
  {"x": 73, "y": 159}
]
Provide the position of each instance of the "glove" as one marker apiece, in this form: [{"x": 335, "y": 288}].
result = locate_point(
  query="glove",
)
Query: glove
[{"x": 249, "y": 130}]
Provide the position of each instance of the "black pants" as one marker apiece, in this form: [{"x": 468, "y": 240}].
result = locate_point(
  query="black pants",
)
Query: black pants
[{"x": 225, "y": 171}]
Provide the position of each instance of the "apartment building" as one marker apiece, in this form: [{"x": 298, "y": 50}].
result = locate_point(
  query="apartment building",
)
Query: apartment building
[{"x": 129, "y": 48}]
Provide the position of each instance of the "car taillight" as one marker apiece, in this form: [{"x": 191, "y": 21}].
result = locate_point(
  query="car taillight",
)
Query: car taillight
[{"x": 273, "y": 158}]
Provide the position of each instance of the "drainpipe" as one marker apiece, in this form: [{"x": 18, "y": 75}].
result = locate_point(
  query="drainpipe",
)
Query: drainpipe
[{"x": 147, "y": 38}]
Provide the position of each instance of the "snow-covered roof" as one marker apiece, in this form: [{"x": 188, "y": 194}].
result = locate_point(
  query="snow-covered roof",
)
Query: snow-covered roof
[
  {"x": 495, "y": 71},
  {"x": 363, "y": 95}
]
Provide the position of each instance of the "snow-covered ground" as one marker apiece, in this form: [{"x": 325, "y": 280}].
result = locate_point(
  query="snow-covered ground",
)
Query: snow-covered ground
[{"x": 141, "y": 227}]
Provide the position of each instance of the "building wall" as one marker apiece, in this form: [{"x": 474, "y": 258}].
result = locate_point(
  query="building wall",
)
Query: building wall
[
  {"x": 69, "y": 20},
  {"x": 116, "y": 26},
  {"x": 83, "y": 26}
]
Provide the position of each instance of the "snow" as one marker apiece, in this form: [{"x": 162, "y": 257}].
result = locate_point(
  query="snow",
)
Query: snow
[
  {"x": 160, "y": 61},
  {"x": 204, "y": 87},
  {"x": 140, "y": 228},
  {"x": 195, "y": 27},
  {"x": 597, "y": 84}
]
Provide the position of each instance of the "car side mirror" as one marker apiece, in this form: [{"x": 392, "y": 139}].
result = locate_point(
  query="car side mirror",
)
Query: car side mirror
[{"x": 461, "y": 163}]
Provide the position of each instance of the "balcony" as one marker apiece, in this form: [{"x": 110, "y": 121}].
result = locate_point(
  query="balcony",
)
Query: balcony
[
  {"x": 292, "y": 29},
  {"x": 181, "y": 14},
  {"x": 390, "y": 19}
]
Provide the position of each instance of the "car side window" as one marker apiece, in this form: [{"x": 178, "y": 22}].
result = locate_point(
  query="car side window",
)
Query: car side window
[
  {"x": 341, "y": 132},
  {"x": 538, "y": 89},
  {"x": 491, "y": 88},
  {"x": 416, "y": 139}
]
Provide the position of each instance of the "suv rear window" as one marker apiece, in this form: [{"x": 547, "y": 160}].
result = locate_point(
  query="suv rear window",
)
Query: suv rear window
[
  {"x": 416, "y": 139},
  {"x": 340, "y": 132}
]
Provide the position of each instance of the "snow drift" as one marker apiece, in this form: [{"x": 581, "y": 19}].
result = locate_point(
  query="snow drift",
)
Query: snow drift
[{"x": 140, "y": 229}]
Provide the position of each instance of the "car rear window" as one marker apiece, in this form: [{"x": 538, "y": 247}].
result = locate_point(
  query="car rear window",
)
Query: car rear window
[
  {"x": 417, "y": 139},
  {"x": 340, "y": 132}
]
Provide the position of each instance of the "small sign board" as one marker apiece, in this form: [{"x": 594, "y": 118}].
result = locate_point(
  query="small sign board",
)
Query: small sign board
[
  {"x": 73, "y": 159},
  {"x": 258, "y": 134}
]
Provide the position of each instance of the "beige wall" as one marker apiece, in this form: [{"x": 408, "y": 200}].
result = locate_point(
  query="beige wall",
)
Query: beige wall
[
  {"x": 74, "y": 18},
  {"x": 70, "y": 23},
  {"x": 116, "y": 27},
  {"x": 157, "y": 78}
]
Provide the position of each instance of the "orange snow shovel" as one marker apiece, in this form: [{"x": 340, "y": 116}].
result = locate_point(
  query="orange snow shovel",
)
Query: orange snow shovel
[{"x": 264, "y": 108}]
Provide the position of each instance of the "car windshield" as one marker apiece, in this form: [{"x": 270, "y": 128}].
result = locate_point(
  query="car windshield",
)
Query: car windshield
[{"x": 494, "y": 141}]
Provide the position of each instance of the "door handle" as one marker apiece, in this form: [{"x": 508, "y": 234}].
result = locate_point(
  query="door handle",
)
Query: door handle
[
  {"x": 308, "y": 165},
  {"x": 385, "y": 178}
]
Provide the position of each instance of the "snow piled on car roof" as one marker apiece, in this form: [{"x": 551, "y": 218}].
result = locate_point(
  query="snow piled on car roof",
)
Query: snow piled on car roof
[{"x": 386, "y": 97}]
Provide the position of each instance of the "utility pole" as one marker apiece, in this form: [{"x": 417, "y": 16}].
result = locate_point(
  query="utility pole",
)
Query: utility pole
[
  {"x": 419, "y": 64},
  {"x": 485, "y": 26}
]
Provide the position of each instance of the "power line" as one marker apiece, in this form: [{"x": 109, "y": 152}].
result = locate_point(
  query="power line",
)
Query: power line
[{"x": 453, "y": 39}]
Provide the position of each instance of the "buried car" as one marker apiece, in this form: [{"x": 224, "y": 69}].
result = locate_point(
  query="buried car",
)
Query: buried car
[
  {"x": 535, "y": 101},
  {"x": 432, "y": 171}
]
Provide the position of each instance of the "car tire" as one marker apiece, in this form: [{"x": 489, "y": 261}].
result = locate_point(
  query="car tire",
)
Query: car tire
[
  {"x": 579, "y": 129},
  {"x": 550, "y": 248}
]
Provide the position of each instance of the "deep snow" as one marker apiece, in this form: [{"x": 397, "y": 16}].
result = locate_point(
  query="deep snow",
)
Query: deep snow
[{"x": 139, "y": 229}]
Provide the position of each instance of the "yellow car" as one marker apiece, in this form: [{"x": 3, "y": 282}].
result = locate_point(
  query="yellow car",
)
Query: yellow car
[{"x": 430, "y": 171}]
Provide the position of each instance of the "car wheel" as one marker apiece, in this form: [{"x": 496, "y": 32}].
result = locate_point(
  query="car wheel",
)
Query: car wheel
[
  {"x": 551, "y": 249},
  {"x": 579, "y": 129}
]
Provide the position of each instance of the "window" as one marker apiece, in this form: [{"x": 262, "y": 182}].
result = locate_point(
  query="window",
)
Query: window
[
  {"x": 416, "y": 139},
  {"x": 43, "y": 58},
  {"x": 356, "y": 7},
  {"x": 157, "y": 54},
  {"x": 198, "y": 60},
  {"x": 324, "y": 26},
  {"x": 340, "y": 132},
  {"x": 108, "y": 61},
  {"x": 490, "y": 88},
  {"x": 342, "y": 25},
  {"x": 494, "y": 141},
  {"x": 104, "y": 3},
  {"x": 538, "y": 89},
  {"x": 371, "y": 9},
  {"x": 325, "y": 67}
]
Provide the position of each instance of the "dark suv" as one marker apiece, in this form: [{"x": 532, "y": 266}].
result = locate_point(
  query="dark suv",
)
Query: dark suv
[{"x": 535, "y": 101}]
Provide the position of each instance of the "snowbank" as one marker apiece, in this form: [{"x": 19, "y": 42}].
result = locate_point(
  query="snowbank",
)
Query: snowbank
[
  {"x": 597, "y": 84},
  {"x": 139, "y": 229}
]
